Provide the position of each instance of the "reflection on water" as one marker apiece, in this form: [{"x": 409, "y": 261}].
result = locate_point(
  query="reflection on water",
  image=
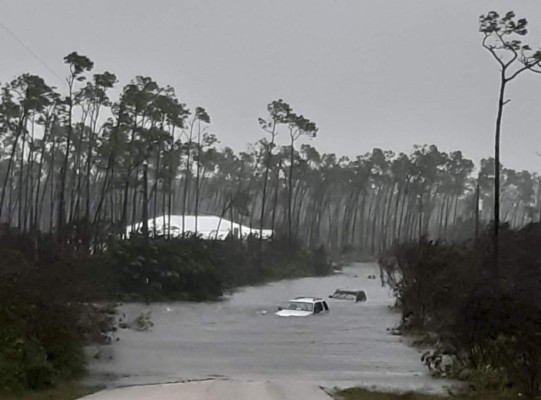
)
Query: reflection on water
[{"x": 241, "y": 338}]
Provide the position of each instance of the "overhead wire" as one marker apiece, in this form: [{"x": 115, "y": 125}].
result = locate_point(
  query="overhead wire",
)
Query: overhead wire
[{"x": 30, "y": 51}]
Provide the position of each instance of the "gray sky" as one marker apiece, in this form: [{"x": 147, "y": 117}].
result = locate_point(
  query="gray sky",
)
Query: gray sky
[{"x": 370, "y": 73}]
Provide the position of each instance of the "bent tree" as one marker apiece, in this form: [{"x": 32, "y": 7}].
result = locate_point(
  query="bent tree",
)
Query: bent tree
[
  {"x": 500, "y": 38},
  {"x": 279, "y": 112},
  {"x": 78, "y": 65},
  {"x": 298, "y": 126}
]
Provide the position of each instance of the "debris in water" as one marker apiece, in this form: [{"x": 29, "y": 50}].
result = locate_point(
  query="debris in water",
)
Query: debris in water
[{"x": 141, "y": 323}]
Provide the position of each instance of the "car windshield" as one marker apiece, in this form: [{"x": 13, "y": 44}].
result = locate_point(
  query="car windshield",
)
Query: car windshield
[
  {"x": 345, "y": 296},
  {"x": 299, "y": 306}
]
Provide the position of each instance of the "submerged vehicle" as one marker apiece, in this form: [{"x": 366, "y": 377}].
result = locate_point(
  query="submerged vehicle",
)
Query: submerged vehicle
[
  {"x": 303, "y": 307},
  {"x": 349, "y": 294}
]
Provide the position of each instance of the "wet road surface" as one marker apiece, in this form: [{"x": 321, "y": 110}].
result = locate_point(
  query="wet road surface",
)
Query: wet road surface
[{"x": 217, "y": 390}]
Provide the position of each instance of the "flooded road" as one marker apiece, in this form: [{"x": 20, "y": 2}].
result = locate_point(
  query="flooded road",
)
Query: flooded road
[{"x": 241, "y": 338}]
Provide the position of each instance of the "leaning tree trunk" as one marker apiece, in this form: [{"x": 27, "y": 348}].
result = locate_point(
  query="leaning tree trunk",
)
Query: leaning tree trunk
[
  {"x": 496, "y": 235},
  {"x": 11, "y": 160}
]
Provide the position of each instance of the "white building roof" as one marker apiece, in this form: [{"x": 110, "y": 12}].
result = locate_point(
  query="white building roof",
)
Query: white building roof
[{"x": 208, "y": 227}]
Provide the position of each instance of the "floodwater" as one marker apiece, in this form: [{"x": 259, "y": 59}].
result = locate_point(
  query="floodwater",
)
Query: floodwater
[{"x": 240, "y": 338}]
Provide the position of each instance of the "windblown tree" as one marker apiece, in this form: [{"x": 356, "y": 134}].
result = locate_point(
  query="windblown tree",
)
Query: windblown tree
[
  {"x": 23, "y": 101},
  {"x": 96, "y": 97},
  {"x": 203, "y": 150},
  {"x": 78, "y": 65},
  {"x": 298, "y": 127},
  {"x": 501, "y": 38},
  {"x": 193, "y": 153},
  {"x": 278, "y": 114}
]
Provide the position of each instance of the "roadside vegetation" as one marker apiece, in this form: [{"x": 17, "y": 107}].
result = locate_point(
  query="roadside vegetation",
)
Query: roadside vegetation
[
  {"x": 44, "y": 316},
  {"x": 52, "y": 304},
  {"x": 480, "y": 327},
  {"x": 62, "y": 392},
  {"x": 193, "y": 269},
  {"x": 476, "y": 304},
  {"x": 365, "y": 394}
]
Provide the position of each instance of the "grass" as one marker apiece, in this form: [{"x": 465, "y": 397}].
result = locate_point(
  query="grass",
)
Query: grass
[
  {"x": 364, "y": 394},
  {"x": 62, "y": 392}
]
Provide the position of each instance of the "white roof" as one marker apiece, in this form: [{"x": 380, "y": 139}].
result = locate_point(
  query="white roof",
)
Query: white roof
[
  {"x": 306, "y": 299},
  {"x": 208, "y": 227}
]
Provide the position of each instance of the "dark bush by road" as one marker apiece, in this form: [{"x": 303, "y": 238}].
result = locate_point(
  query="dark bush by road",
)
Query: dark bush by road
[
  {"x": 488, "y": 320},
  {"x": 53, "y": 300},
  {"x": 194, "y": 269}
]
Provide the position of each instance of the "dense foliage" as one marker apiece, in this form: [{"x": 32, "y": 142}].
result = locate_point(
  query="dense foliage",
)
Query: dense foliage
[
  {"x": 47, "y": 299},
  {"x": 194, "y": 269},
  {"x": 163, "y": 269},
  {"x": 491, "y": 323},
  {"x": 40, "y": 342}
]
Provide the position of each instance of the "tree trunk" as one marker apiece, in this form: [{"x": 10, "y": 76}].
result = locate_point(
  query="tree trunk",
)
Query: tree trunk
[
  {"x": 496, "y": 235},
  {"x": 290, "y": 192},
  {"x": 11, "y": 160}
]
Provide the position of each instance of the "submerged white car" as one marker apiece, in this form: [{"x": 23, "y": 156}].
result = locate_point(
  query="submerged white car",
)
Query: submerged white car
[{"x": 303, "y": 307}]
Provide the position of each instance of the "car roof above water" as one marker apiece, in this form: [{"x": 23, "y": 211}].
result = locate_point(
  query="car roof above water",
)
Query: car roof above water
[{"x": 305, "y": 299}]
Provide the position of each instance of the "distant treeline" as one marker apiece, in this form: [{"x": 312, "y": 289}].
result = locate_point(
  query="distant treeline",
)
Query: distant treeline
[{"x": 74, "y": 162}]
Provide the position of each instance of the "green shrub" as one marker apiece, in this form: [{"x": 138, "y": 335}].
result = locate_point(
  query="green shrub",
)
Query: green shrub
[
  {"x": 490, "y": 319},
  {"x": 39, "y": 338},
  {"x": 46, "y": 293},
  {"x": 23, "y": 361},
  {"x": 190, "y": 268},
  {"x": 285, "y": 258},
  {"x": 38, "y": 345},
  {"x": 320, "y": 262},
  {"x": 162, "y": 269}
]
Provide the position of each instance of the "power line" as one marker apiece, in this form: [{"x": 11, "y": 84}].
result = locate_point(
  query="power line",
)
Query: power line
[{"x": 29, "y": 50}]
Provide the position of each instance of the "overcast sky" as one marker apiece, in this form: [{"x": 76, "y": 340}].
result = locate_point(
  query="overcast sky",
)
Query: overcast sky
[{"x": 370, "y": 73}]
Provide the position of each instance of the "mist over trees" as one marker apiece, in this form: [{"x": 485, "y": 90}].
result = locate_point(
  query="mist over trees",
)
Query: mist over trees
[{"x": 72, "y": 162}]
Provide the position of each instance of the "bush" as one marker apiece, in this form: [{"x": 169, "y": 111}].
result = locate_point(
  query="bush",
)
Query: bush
[
  {"x": 162, "y": 269},
  {"x": 429, "y": 279},
  {"x": 320, "y": 263},
  {"x": 500, "y": 329},
  {"x": 489, "y": 318},
  {"x": 39, "y": 345},
  {"x": 23, "y": 361},
  {"x": 48, "y": 294},
  {"x": 40, "y": 342},
  {"x": 193, "y": 269},
  {"x": 285, "y": 258}
]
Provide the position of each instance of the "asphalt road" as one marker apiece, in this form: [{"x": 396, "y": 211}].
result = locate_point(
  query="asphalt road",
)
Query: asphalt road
[{"x": 216, "y": 390}]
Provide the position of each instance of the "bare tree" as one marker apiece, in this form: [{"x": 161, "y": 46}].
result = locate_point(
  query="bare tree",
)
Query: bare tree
[{"x": 500, "y": 39}]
